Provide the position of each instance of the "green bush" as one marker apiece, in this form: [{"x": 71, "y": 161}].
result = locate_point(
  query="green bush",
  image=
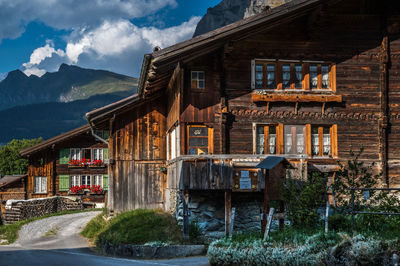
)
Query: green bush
[
  {"x": 141, "y": 227},
  {"x": 95, "y": 226}
]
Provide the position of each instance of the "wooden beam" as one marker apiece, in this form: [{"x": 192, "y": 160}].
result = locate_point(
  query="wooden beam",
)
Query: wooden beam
[
  {"x": 295, "y": 98},
  {"x": 228, "y": 212}
]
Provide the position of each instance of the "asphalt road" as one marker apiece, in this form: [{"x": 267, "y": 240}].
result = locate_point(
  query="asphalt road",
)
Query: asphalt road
[{"x": 56, "y": 241}]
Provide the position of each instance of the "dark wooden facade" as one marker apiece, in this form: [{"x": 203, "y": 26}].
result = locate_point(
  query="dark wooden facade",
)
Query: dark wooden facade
[
  {"x": 46, "y": 160},
  {"x": 358, "y": 38},
  {"x": 11, "y": 187}
]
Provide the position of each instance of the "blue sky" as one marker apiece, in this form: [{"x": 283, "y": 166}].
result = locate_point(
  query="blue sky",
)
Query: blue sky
[{"x": 37, "y": 36}]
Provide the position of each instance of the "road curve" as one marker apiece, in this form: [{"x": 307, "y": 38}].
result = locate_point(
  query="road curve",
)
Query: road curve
[{"x": 56, "y": 241}]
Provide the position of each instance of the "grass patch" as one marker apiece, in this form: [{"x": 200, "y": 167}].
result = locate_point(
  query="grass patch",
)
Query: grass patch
[
  {"x": 52, "y": 232},
  {"x": 9, "y": 232},
  {"x": 137, "y": 227},
  {"x": 97, "y": 225}
]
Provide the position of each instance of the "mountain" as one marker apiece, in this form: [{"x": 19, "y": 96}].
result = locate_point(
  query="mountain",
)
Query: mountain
[
  {"x": 49, "y": 119},
  {"x": 230, "y": 11},
  {"x": 69, "y": 83}
]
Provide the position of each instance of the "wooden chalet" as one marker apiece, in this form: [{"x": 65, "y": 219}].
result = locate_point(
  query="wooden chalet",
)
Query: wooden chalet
[
  {"x": 309, "y": 81},
  {"x": 12, "y": 187},
  {"x": 66, "y": 161}
]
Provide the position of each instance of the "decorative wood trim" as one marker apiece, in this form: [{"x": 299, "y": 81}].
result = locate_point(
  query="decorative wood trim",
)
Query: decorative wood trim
[
  {"x": 334, "y": 141},
  {"x": 279, "y": 139},
  {"x": 295, "y": 98}
]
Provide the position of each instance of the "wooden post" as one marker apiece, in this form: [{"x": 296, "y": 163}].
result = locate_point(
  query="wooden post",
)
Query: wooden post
[
  {"x": 269, "y": 222},
  {"x": 185, "y": 214},
  {"x": 232, "y": 222},
  {"x": 266, "y": 201},
  {"x": 228, "y": 212},
  {"x": 326, "y": 216}
]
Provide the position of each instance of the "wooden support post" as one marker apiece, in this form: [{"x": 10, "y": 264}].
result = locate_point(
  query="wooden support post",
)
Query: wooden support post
[
  {"x": 269, "y": 222},
  {"x": 232, "y": 222},
  {"x": 185, "y": 214},
  {"x": 266, "y": 201},
  {"x": 228, "y": 212}
]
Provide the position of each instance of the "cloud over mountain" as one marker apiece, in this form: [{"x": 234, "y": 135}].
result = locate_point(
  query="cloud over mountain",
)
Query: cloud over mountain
[{"x": 100, "y": 34}]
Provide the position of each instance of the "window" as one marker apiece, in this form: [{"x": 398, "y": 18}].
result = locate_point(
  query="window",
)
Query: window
[
  {"x": 98, "y": 180},
  {"x": 173, "y": 150},
  {"x": 98, "y": 154},
  {"x": 40, "y": 185},
  {"x": 86, "y": 154},
  {"x": 294, "y": 139},
  {"x": 286, "y": 75},
  {"x": 266, "y": 139},
  {"x": 199, "y": 140},
  {"x": 198, "y": 80},
  {"x": 321, "y": 141},
  {"x": 75, "y": 180},
  {"x": 75, "y": 154},
  {"x": 311, "y": 140}
]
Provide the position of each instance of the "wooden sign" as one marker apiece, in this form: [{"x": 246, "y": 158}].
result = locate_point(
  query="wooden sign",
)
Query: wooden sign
[{"x": 245, "y": 179}]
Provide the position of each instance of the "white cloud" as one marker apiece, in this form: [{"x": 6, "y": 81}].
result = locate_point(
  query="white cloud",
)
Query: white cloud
[
  {"x": 114, "y": 45},
  {"x": 71, "y": 14}
]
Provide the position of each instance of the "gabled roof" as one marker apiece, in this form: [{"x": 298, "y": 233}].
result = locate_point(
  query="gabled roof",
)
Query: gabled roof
[
  {"x": 158, "y": 66},
  {"x": 48, "y": 143},
  {"x": 8, "y": 179}
]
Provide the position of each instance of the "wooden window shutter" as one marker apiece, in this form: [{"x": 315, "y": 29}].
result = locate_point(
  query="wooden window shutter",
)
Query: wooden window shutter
[
  {"x": 105, "y": 155},
  {"x": 105, "y": 182},
  {"x": 63, "y": 182},
  {"x": 64, "y": 156},
  {"x": 308, "y": 141},
  {"x": 279, "y": 135},
  {"x": 334, "y": 142}
]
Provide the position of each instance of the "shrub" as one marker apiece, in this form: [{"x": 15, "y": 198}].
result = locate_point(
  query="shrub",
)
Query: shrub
[
  {"x": 141, "y": 227},
  {"x": 95, "y": 226}
]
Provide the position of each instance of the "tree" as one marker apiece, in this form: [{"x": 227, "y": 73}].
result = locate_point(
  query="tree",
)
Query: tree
[{"x": 11, "y": 163}]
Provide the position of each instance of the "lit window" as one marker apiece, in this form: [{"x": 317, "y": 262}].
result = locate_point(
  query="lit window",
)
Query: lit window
[
  {"x": 198, "y": 80},
  {"x": 266, "y": 140},
  {"x": 40, "y": 185},
  {"x": 294, "y": 139},
  {"x": 198, "y": 140}
]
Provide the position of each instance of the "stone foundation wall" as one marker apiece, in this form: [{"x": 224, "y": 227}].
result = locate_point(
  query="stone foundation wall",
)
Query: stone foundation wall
[
  {"x": 17, "y": 210},
  {"x": 208, "y": 210}
]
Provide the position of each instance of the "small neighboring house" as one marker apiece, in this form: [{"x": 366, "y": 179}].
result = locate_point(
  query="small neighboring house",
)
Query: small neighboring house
[
  {"x": 60, "y": 165},
  {"x": 308, "y": 81},
  {"x": 12, "y": 187}
]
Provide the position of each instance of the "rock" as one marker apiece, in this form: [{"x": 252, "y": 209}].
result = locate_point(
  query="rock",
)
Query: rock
[{"x": 230, "y": 11}]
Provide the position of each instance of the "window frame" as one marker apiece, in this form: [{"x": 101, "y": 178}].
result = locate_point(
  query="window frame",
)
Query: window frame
[
  {"x": 280, "y": 139},
  {"x": 198, "y": 80},
  {"x": 266, "y": 128},
  {"x": 210, "y": 138},
  {"x": 320, "y": 129},
  {"x": 41, "y": 191},
  {"x": 305, "y": 81}
]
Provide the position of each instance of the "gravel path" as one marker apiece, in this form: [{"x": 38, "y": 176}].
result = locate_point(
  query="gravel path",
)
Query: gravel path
[{"x": 56, "y": 241}]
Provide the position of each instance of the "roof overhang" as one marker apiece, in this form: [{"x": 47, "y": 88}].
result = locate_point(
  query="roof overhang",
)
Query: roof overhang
[{"x": 53, "y": 141}]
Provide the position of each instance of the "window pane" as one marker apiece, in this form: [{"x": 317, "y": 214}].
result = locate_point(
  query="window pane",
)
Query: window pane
[
  {"x": 315, "y": 141},
  {"x": 43, "y": 187},
  {"x": 271, "y": 76},
  {"x": 313, "y": 76},
  {"x": 198, "y": 142},
  {"x": 272, "y": 143},
  {"x": 294, "y": 139},
  {"x": 325, "y": 76},
  {"x": 201, "y": 84},
  {"x": 327, "y": 141},
  {"x": 298, "y": 76},
  {"x": 260, "y": 140},
  {"x": 286, "y": 76},
  {"x": 259, "y": 76},
  {"x": 194, "y": 75},
  {"x": 198, "y": 131},
  {"x": 87, "y": 154},
  {"x": 201, "y": 75}
]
